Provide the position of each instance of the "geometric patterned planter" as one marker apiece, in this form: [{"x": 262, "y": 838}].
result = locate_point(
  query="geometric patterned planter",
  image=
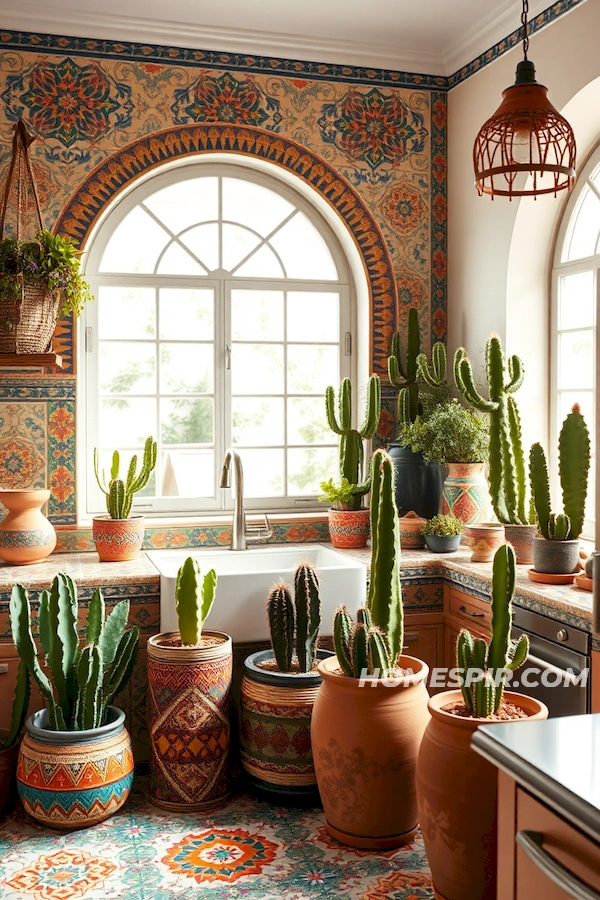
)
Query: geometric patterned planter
[
  {"x": 349, "y": 529},
  {"x": 465, "y": 493},
  {"x": 118, "y": 540},
  {"x": 189, "y": 699}
]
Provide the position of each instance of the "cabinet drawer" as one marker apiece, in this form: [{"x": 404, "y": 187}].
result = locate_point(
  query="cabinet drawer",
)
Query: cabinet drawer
[
  {"x": 469, "y": 611},
  {"x": 421, "y": 641},
  {"x": 9, "y": 665}
]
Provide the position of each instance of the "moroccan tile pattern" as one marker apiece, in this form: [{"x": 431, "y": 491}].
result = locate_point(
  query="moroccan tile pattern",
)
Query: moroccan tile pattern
[{"x": 246, "y": 849}]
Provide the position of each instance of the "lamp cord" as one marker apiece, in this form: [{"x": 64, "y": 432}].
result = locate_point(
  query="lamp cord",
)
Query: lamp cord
[{"x": 524, "y": 24}]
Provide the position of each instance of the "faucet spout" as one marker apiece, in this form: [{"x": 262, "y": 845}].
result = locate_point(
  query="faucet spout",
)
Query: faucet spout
[{"x": 238, "y": 529}]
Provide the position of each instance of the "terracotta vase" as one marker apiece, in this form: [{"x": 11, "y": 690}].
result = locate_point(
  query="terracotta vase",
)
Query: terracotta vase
[
  {"x": 349, "y": 529},
  {"x": 465, "y": 492},
  {"x": 521, "y": 537},
  {"x": 456, "y": 790},
  {"x": 8, "y": 766},
  {"x": 484, "y": 538},
  {"x": 73, "y": 779},
  {"x": 411, "y": 531},
  {"x": 26, "y": 535},
  {"x": 189, "y": 699},
  {"x": 365, "y": 741},
  {"x": 118, "y": 540},
  {"x": 276, "y": 709}
]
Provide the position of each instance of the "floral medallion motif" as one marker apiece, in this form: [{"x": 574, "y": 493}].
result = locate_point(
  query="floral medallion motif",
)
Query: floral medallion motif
[
  {"x": 405, "y": 208},
  {"x": 220, "y": 855},
  {"x": 412, "y": 290},
  {"x": 373, "y": 127},
  {"x": 19, "y": 465},
  {"x": 65, "y": 875},
  {"x": 61, "y": 424},
  {"x": 402, "y": 885},
  {"x": 225, "y": 99}
]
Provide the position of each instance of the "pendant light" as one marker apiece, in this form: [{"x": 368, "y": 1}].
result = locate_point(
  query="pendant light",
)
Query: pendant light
[{"x": 525, "y": 134}]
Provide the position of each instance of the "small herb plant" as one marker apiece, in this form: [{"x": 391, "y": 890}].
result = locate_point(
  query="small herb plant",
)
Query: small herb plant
[
  {"x": 443, "y": 526},
  {"x": 340, "y": 495},
  {"x": 450, "y": 434}
]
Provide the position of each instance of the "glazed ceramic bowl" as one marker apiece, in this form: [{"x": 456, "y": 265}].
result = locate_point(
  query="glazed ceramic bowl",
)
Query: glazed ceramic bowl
[{"x": 484, "y": 539}]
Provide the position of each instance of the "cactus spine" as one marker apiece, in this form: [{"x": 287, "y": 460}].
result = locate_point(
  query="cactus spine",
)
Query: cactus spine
[
  {"x": 351, "y": 439},
  {"x": 294, "y": 625},
  {"x": 483, "y": 668},
  {"x": 194, "y": 597},
  {"x": 119, "y": 493},
  {"x": 82, "y": 681}
]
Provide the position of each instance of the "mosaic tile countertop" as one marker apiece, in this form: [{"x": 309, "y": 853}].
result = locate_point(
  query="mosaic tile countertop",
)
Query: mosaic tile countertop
[{"x": 249, "y": 849}]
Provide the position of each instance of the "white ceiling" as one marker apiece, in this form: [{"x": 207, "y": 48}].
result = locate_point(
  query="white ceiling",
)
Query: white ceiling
[{"x": 433, "y": 37}]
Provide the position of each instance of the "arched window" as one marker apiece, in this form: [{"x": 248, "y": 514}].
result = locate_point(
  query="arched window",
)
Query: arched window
[
  {"x": 575, "y": 285},
  {"x": 223, "y": 311}
]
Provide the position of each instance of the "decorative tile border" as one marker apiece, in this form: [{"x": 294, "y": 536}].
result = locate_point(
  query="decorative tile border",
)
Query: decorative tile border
[
  {"x": 439, "y": 215},
  {"x": 36, "y": 387}
]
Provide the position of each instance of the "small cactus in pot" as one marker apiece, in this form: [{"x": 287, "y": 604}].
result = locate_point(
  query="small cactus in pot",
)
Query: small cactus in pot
[{"x": 294, "y": 624}]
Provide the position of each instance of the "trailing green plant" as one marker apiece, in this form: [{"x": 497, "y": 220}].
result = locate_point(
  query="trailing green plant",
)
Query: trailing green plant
[
  {"x": 81, "y": 681},
  {"x": 573, "y": 469},
  {"x": 506, "y": 470},
  {"x": 50, "y": 260},
  {"x": 483, "y": 667},
  {"x": 443, "y": 526},
  {"x": 194, "y": 597},
  {"x": 119, "y": 493},
  {"x": 294, "y": 625},
  {"x": 351, "y": 439}
]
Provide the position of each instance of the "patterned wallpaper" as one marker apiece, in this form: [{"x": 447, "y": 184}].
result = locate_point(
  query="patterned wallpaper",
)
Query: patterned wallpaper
[{"x": 104, "y": 112}]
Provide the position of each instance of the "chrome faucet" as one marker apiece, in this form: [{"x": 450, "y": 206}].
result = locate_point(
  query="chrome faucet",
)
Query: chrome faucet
[{"x": 241, "y": 534}]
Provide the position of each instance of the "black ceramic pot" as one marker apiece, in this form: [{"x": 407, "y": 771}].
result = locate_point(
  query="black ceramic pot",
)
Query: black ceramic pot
[
  {"x": 445, "y": 544},
  {"x": 418, "y": 484}
]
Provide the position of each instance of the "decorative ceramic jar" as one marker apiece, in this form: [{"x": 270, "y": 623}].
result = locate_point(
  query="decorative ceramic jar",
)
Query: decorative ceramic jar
[
  {"x": 189, "y": 699},
  {"x": 73, "y": 779},
  {"x": 276, "y": 709},
  {"x": 418, "y": 485},
  {"x": 465, "y": 492},
  {"x": 484, "y": 539},
  {"x": 521, "y": 537},
  {"x": 411, "y": 531},
  {"x": 349, "y": 529},
  {"x": 118, "y": 540},
  {"x": 555, "y": 557},
  {"x": 26, "y": 535}
]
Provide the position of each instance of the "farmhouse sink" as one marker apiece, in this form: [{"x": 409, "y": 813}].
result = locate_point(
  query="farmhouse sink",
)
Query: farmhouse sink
[{"x": 245, "y": 579}]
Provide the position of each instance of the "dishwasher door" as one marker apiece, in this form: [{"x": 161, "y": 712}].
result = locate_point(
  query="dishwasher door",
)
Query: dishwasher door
[{"x": 556, "y": 675}]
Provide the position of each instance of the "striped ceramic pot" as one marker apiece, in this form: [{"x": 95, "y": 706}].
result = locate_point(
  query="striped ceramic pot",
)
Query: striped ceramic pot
[
  {"x": 276, "y": 710},
  {"x": 117, "y": 540},
  {"x": 26, "y": 535},
  {"x": 349, "y": 529},
  {"x": 189, "y": 699},
  {"x": 465, "y": 492},
  {"x": 73, "y": 779}
]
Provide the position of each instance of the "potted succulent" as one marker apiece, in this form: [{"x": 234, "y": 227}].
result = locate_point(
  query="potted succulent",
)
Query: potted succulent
[
  {"x": 75, "y": 765},
  {"x": 119, "y": 535},
  {"x": 371, "y": 710},
  {"x": 442, "y": 533},
  {"x": 506, "y": 476},
  {"x": 348, "y": 520},
  {"x": 189, "y": 682},
  {"x": 556, "y": 552},
  {"x": 278, "y": 692},
  {"x": 9, "y": 741},
  {"x": 457, "y": 788}
]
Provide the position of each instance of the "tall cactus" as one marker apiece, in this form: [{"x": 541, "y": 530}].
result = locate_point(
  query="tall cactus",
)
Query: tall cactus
[
  {"x": 119, "y": 493},
  {"x": 194, "y": 597},
  {"x": 294, "y": 625},
  {"x": 83, "y": 681},
  {"x": 506, "y": 473},
  {"x": 436, "y": 375},
  {"x": 483, "y": 668},
  {"x": 351, "y": 439},
  {"x": 403, "y": 373},
  {"x": 282, "y": 624}
]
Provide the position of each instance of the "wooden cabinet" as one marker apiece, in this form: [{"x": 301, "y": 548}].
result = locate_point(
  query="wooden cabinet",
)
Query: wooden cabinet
[
  {"x": 422, "y": 641},
  {"x": 9, "y": 664},
  {"x": 470, "y": 612}
]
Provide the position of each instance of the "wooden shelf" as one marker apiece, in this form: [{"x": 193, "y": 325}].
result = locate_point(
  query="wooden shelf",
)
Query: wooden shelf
[{"x": 31, "y": 360}]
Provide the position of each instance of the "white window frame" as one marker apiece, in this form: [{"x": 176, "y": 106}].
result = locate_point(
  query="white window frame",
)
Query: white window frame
[{"x": 88, "y": 406}]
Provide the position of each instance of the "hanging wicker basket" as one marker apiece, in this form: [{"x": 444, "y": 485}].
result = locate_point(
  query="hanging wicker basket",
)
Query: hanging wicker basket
[{"x": 28, "y": 311}]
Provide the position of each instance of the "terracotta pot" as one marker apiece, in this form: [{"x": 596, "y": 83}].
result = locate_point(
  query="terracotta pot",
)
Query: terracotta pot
[
  {"x": 456, "y": 790},
  {"x": 118, "y": 540},
  {"x": 484, "y": 539},
  {"x": 555, "y": 557},
  {"x": 411, "y": 531},
  {"x": 521, "y": 537},
  {"x": 349, "y": 529},
  {"x": 365, "y": 743},
  {"x": 465, "y": 492},
  {"x": 189, "y": 699},
  {"x": 73, "y": 779},
  {"x": 26, "y": 535},
  {"x": 8, "y": 767},
  {"x": 276, "y": 709}
]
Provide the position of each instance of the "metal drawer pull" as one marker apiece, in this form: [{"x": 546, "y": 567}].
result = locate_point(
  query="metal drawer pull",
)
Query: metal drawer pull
[
  {"x": 531, "y": 843},
  {"x": 473, "y": 615},
  {"x": 568, "y": 678},
  {"x": 3, "y": 668}
]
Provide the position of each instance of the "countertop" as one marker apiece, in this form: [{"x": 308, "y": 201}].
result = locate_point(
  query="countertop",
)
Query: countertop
[{"x": 557, "y": 760}]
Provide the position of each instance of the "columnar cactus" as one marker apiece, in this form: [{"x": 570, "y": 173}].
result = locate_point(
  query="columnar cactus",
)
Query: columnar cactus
[
  {"x": 119, "y": 493},
  {"x": 194, "y": 597},
  {"x": 361, "y": 648},
  {"x": 574, "y": 464},
  {"x": 19, "y": 707},
  {"x": 294, "y": 625},
  {"x": 403, "y": 374},
  {"x": 506, "y": 473},
  {"x": 435, "y": 375},
  {"x": 351, "y": 439},
  {"x": 482, "y": 667},
  {"x": 82, "y": 681}
]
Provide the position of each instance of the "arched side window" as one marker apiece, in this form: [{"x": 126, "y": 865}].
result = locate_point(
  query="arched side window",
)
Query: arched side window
[
  {"x": 575, "y": 286},
  {"x": 223, "y": 311}
]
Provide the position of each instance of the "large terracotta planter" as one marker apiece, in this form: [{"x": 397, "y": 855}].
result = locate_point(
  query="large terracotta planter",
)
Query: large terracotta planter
[
  {"x": 276, "y": 709},
  {"x": 365, "y": 743},
  {"x": 456, "y": 790},
  {"x": 555, "y": 557},
  {"x": 26, "y": 535},
  {"x": 118, "y": 540},
  {"x": 349, "y": 529},
  {"x": 465, "y": 492},
  {"x": 417, "y": 484},
  {"x": 73, "y": 779},
  {"x": 521, "y": 537},
  {"x": 189, "y": 699}
]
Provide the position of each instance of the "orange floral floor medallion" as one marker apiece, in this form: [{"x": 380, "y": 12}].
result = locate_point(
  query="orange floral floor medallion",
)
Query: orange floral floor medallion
[
  {"x": 220, "y": 855},
  {"x": 64, "y": 875}
]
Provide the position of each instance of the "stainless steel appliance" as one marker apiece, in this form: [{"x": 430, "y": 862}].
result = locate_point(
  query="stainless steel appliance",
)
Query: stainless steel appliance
[{"x": 557, "y": 670}]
